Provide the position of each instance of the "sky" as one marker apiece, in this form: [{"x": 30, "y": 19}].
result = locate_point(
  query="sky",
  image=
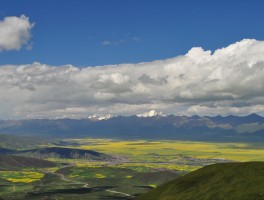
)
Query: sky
[{"x": 80, "y": 58}]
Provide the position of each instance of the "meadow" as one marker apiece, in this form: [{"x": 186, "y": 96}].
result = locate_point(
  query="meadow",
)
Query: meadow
[
  {"x": 172, "y": 154},
  {"x": 139, "y": 166},
  {"x": 21, "y": 176}
]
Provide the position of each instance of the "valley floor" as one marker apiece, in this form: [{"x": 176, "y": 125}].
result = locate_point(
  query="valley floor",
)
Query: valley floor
[{"x": 135, "y": 167}]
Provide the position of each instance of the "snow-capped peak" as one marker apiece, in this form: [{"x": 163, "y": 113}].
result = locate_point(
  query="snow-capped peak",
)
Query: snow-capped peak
[
  {"x": 151, "y": 113},
  {"x": 102, "y": 117}
]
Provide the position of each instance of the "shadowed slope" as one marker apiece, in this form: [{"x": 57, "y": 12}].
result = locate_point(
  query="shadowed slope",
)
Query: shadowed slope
[
  {"x": 63, "y": 152},
  {"x": 10, "y": 162}
]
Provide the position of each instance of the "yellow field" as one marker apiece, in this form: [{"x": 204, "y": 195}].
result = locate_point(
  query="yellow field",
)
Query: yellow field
[
  {"x": 179, "y": 155},
  {"x": 21, "y": 176}
]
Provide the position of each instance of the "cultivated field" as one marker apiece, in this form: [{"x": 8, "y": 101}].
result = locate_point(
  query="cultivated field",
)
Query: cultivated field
[
  {"x": 124, "y": 169},
  {"x": 172, "y": 154}
]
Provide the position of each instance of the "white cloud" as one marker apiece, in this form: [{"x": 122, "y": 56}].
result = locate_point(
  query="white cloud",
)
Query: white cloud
[
  {"x": 106, "y": 43},
  {"x": 15, "y": 32},
  {"x": 126, "y": 39},
  {"x": 228, "y": 81}
]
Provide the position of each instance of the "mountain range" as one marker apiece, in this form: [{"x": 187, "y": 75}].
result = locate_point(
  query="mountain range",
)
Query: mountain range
[{"x": 150, "y": 125}]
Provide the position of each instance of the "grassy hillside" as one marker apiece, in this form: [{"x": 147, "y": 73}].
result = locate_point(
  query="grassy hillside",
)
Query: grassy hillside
[
  {"x": 10, "y": 162},
  {"x": 60, "y": 152},
  {"x": 241, "y": 181},
  {"x": 20, "y": 142}
]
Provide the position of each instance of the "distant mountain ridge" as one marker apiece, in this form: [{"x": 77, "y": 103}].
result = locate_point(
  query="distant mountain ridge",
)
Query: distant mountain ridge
[{"x": 150, "y": 125}]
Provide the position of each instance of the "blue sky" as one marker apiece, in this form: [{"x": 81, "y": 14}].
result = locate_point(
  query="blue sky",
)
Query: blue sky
[
  {"x": 90, "y": 33},
  {"x": 186, "y": 57}
]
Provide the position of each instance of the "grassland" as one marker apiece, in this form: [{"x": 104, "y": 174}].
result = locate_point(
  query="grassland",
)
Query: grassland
[
  {"x": 21, "y": 176},
  {"x": 174, "y": 155},
  {"x": 236, "y": 181},
  {"x": 138, "y": 166}
]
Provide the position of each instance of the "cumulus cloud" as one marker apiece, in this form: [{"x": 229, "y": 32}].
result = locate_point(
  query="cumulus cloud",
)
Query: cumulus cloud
[
  {"x": 227, "y": 81},
  {"x": 15, "y": 32}
]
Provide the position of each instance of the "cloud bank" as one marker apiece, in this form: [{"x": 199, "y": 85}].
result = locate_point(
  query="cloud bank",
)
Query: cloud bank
[
  {"x": 228, "y": 81},
  {"x": 15, "y": 32}
]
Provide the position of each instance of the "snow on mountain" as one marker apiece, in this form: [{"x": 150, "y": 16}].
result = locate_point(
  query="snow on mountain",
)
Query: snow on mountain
[
  {"x": 99, "y": 118},
  {"x": 151, "y": 113}
]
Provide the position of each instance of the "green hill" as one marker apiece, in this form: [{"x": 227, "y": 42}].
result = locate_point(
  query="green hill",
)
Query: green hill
[
  {"x": 234, "y": 181},
  {"x": 61, "y": 152},
  {"x": 11, "y": 162},
  {"x": 20, "y": 142}
]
